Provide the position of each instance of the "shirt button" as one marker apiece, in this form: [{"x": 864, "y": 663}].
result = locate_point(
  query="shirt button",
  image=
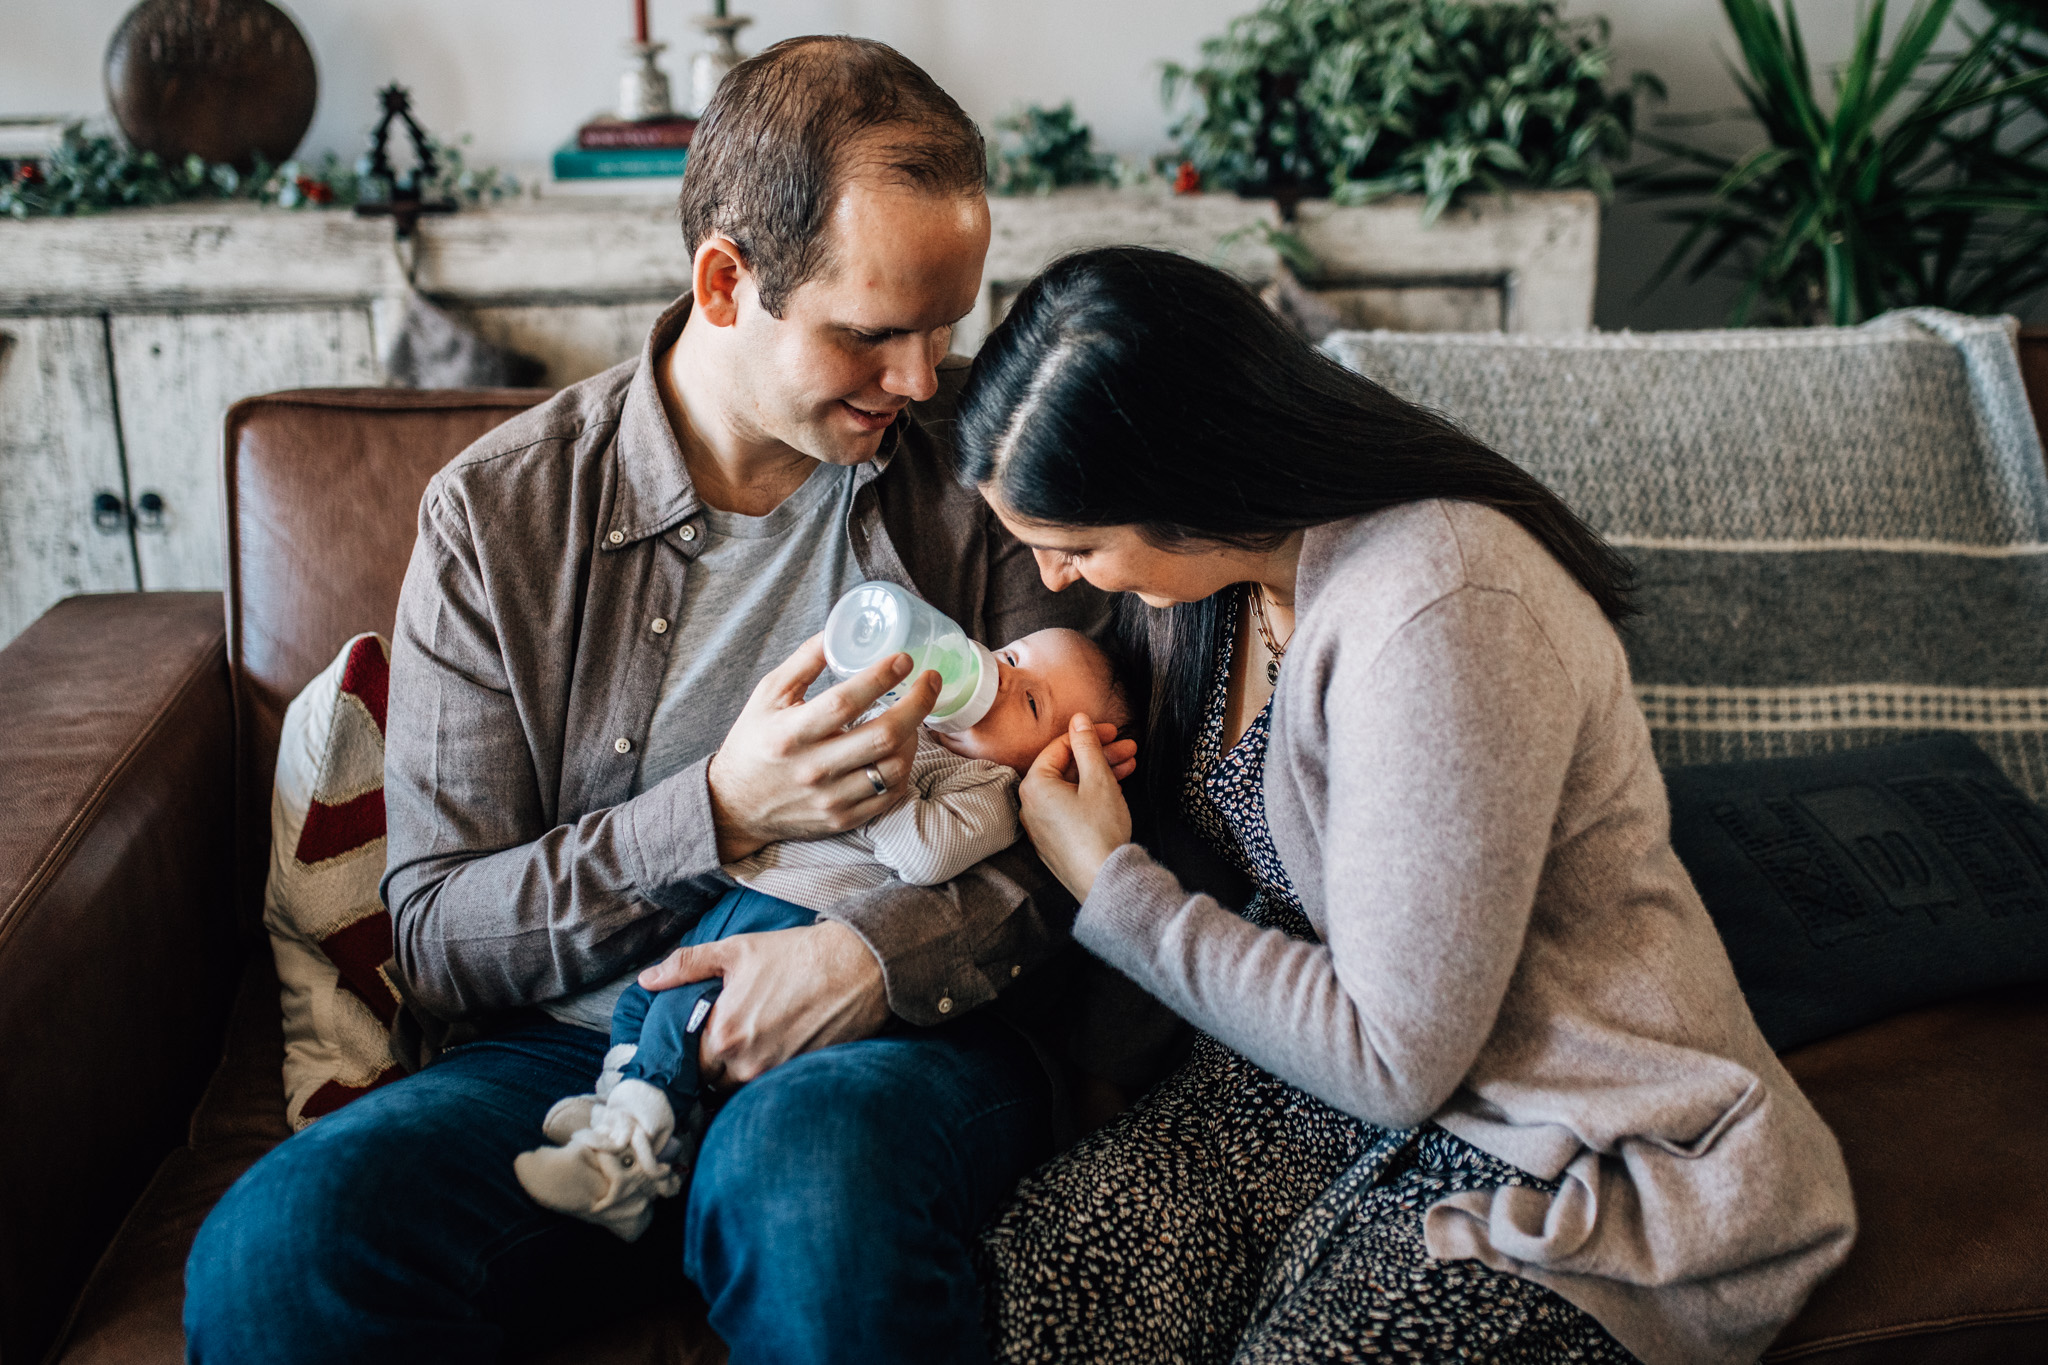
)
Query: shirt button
[
  {"x": 623, "y": 745},
  {"x": 617, "y": 537},
  {"x": 688, "y": 533},
  {"x": 660, "y": 625},
  {"x": 945, "y": 1004},
  {"x": 1016, "y": 972}
]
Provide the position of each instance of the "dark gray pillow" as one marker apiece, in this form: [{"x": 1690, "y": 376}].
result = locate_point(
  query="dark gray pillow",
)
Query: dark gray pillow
[{"x": 1856, "y": 885}]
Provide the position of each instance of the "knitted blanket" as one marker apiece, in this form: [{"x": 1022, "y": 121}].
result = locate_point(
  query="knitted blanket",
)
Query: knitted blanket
[{"x": 1841, "y": 533}]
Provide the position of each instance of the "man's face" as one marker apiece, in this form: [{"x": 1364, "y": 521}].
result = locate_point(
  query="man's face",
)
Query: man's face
[{"x": 859, "y": 341}]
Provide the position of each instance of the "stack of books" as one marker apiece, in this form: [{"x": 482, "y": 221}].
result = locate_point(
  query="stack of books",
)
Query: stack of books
[{"x": 614, "y": 149}]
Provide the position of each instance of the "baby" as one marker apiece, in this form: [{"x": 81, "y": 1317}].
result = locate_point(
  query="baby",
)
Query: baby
[{"x": 635, "y": 1138}]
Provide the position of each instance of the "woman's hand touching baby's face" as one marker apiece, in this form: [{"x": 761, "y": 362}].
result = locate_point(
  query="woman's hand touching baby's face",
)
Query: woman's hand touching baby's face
[
  {"x": 1044, "y": 680},
  {"x": 1073, "y": 809}
]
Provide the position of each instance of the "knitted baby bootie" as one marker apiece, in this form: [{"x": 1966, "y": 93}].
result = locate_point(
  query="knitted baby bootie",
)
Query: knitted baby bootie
[
  {"x": 612, "y": 1169},
  {"x": 568, "y": 1116},
  {"x": 614, "y": 1067}
]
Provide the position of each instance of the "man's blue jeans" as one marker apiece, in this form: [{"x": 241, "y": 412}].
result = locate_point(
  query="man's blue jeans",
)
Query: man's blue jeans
[{"x": 831, "y": 1217}]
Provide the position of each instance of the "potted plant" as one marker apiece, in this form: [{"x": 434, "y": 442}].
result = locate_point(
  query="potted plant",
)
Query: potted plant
[
  {"x": 1038, "y": 150},
  {"x": 1922, "y": 182},
  {"x": 1357, "y": 100}
]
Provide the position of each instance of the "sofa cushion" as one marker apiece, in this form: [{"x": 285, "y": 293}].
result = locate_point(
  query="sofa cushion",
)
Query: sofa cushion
[
  {"x": 328, "y": 929},
  {"x": 1841, "y": 533},
  {"x": 1853, "y": 886},
  {"x": 1942, "y": 1115}
]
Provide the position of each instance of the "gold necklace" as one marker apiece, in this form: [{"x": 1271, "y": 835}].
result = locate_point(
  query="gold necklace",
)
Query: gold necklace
[{"x": 1273, "y": 646}]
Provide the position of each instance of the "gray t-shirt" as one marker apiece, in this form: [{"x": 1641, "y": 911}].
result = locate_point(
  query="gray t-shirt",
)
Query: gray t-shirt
[{"x": 760, "y": 587}]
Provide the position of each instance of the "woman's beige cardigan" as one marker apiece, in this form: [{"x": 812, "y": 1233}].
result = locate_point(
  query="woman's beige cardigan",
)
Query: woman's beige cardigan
[{"x": 1461, "y": 787}]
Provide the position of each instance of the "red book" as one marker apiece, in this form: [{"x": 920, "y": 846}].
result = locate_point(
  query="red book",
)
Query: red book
[{"x": 606, "y": 134}]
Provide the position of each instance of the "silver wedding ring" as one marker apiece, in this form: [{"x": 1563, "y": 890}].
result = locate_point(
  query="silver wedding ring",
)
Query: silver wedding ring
[{"x": 875, "y": 779}]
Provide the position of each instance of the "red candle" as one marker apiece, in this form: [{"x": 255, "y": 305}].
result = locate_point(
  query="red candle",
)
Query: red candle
[{"x": 639, "y": 21}]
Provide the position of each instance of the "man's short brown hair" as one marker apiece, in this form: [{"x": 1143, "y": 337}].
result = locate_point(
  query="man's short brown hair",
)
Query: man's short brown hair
[{"x": 789, "y": 127}]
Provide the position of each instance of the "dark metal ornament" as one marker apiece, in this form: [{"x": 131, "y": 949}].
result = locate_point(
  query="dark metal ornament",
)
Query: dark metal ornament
[
  {"x": 225, "y": 80},
  {"x": 400, "y": 197}
]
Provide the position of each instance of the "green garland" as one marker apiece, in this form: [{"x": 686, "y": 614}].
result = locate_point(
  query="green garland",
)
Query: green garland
[{"x": 90, "y": 172}]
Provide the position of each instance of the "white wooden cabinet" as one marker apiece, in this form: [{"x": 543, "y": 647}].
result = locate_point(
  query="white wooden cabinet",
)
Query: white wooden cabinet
[
  {"x": 124, "y": 337},
  {"x": 60, "y": 448}
]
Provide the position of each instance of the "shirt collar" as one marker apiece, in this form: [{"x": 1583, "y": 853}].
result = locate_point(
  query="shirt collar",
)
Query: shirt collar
[{"x": 652, "y": 492}]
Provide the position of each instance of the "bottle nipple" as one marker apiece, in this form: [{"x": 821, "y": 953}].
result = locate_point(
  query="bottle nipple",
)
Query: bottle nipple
[{"x": 972, "y": 711}]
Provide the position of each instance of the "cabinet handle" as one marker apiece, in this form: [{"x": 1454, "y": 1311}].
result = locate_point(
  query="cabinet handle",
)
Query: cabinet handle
[
  {"x": 149, "y": 512},
  {"x": 109, "y": 513}
]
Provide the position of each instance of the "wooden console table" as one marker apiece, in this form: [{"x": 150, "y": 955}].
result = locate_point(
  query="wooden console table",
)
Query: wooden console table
[{"x": 125, "y": 336}]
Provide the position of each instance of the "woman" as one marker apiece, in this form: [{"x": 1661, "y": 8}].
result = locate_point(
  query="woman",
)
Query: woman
[{"x": 1475, "y": 1079}]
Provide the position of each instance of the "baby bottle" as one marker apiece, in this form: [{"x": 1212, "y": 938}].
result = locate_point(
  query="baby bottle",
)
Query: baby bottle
[{"x": 878, "y": 619}]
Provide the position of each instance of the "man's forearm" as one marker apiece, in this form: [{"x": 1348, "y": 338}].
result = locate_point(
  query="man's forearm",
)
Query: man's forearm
[
  {"x": 478, "y": 931},
  {"x": 947, "y": 949}
]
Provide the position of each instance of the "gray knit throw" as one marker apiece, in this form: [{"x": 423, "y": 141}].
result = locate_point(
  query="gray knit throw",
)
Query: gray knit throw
[{"x": 1841, "y": 533}]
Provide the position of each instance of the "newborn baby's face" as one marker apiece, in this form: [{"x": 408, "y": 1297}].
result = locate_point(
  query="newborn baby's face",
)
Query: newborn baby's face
[{"x": 1044, "y": 679}]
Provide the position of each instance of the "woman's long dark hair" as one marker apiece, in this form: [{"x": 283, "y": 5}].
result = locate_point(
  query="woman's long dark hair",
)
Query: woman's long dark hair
[{"x": 1134, "y": 387}]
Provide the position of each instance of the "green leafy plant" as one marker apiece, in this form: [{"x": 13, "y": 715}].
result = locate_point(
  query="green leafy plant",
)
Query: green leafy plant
[
  {"x": 1040, "y": 149},
  {"x": 1361, "y": 99},
  {"x": 91, "y": 172},
  {"x": 1924, "y": 184}
]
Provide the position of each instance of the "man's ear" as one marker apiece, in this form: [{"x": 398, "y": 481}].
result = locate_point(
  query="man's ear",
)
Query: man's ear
[{"x": 715, "y": 277}]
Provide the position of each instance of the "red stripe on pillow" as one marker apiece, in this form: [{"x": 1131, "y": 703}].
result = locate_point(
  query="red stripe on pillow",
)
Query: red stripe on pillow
[
  {"x": 367, "y": 676},
  {"x": 331, "y": 831},
  {"x": 359, "y": 952},
  {"x": 334, "y": 1094}
]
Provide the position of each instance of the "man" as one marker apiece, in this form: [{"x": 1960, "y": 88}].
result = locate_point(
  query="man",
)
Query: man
[{"x": 577, "y": 743}]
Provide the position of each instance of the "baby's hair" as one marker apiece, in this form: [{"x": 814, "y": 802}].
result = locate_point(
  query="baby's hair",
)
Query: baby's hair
[{"x": 1116, "y": 671}]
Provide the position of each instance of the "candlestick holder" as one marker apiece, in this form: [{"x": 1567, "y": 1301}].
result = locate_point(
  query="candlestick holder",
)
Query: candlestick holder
[
  {"x": 707, "y": 69},
  {"x": 643, "y": 89}
]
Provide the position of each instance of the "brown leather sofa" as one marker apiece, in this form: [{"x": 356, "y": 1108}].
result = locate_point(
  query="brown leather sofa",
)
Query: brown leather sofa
[{"x": 139, "y": 1010}]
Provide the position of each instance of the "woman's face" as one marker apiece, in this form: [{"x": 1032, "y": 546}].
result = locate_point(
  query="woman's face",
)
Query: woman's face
[{"x": 1118, "y": 559}]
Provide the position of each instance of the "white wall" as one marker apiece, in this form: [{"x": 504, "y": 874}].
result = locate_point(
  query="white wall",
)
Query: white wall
[{"x": 521, "y": 74}]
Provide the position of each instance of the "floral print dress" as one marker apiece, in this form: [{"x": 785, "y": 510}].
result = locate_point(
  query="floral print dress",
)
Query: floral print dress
[{"x": 1228, "y": 1216}]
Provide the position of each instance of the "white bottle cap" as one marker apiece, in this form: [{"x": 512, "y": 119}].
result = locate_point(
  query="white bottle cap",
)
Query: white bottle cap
[{"x": 969, "y": 713}]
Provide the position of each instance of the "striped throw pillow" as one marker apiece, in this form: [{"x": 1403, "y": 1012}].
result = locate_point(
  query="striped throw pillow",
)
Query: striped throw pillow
[{"x": 328, "y": 930}]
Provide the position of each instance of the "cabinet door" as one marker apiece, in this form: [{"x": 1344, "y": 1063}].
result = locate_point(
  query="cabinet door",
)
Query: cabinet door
[
  {"x": 178, "y": 374},
  {"x": 59, "y": 450}
]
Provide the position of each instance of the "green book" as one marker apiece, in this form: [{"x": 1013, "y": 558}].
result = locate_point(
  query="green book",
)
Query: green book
[{"x": 612, "y": 163}]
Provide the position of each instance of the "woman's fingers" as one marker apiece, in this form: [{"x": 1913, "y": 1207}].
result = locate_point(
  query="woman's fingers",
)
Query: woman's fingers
[
  {"x": 1052, "y": 762},
  {"x": 1120, "y": 754},
  {"x": 1075, "y": 823},
  {"x": 1089, "y": 764}
]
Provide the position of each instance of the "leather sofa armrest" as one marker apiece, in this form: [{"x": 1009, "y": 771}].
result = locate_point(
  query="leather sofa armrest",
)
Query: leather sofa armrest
[{"x": 118, "y": 948}]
